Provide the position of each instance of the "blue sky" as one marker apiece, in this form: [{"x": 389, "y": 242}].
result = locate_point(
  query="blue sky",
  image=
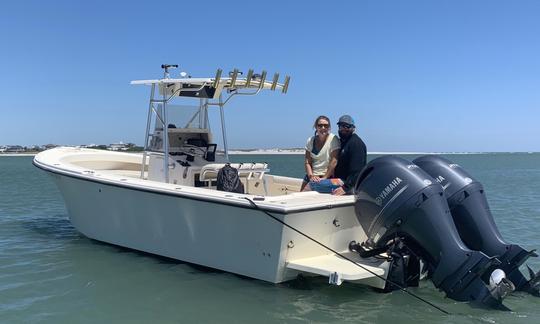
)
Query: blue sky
[{"x": 416, "y": 75}]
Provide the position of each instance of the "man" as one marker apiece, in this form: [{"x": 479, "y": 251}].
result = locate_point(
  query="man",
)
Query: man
[{"x": 352, "y": 156}]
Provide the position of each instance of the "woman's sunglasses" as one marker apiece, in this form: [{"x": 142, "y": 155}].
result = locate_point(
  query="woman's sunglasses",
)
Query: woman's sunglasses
[{"x": 323, "y": 125}]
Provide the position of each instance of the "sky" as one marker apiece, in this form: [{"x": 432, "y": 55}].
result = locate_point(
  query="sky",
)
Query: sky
[{"x": 418, "y": 76}]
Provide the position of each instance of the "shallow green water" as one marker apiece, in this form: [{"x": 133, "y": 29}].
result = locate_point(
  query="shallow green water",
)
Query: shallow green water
[{"x": 50, "y": 273}]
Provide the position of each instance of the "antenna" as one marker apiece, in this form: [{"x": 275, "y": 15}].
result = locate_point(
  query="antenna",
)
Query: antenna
[{"x": 166, "y": 67}]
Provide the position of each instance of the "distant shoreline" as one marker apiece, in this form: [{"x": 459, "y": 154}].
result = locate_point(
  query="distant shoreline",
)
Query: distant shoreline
[
  {"x": 18, "y": 154},
  {"x": 301, "y": 152},
  {"x": 266, "y": 151},
  {"x": 296, "y": 151}
]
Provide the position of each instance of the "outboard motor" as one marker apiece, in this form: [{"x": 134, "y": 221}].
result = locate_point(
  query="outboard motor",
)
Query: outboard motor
[
  {"x": 403, "y": 210},
  {"x": 474, "y": 222}
]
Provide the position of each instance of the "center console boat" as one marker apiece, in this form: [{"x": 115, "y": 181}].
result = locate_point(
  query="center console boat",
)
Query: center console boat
[{"x": 164, "y": 201}]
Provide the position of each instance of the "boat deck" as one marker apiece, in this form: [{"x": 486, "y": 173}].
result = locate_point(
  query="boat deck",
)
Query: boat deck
[
  {"x": 123, "y": 173},
  {"x": 123, "y": 169}
]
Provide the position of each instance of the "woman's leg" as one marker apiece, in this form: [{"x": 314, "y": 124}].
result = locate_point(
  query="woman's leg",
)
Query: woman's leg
[
  {"x": 305, "y": 186},
  {"x": 304, "y": 183}
]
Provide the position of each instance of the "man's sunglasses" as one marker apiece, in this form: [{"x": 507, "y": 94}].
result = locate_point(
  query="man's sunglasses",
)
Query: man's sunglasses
[
  {"x": 323, "y": 125},
  {"x": 346, "y": 126}
]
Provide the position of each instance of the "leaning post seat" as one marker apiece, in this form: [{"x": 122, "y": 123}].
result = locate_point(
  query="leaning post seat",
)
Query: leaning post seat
[{"x": 247, "y": 171}]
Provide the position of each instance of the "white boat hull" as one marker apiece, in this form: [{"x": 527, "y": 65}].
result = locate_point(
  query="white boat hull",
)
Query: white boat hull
[{"x": 225, "y": 233}]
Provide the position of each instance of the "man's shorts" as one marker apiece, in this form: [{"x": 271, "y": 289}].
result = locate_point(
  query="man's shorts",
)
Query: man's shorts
[{"x": 326, "y": 185}]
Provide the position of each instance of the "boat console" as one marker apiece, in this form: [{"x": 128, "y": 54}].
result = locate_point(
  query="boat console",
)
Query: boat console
[{"x": 180, "y": 148}]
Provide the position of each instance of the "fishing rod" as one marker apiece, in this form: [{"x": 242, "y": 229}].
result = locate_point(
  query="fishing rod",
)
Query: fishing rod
[{"x": 346, "y": 258}]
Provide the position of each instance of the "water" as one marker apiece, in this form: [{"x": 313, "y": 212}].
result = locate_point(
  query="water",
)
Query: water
[{"x": 49, "y": 273}]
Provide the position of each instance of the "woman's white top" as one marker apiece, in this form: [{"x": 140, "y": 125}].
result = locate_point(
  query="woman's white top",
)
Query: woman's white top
[{"x": 321, "y": 160}]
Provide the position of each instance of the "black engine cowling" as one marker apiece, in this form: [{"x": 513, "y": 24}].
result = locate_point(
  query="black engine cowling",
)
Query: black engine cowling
[
  {"x": 473, "y": 218},
  {"x": 398, "y": 201}
]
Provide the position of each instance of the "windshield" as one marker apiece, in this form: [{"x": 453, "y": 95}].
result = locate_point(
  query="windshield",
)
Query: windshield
[{"x": 183, "y": 116}]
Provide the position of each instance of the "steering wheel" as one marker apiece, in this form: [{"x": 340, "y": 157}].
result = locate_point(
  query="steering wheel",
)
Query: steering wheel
[{"x": 193, "y": 149}]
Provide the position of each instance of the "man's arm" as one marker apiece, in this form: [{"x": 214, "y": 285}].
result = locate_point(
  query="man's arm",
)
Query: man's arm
[{"x": 348, "y": 187}]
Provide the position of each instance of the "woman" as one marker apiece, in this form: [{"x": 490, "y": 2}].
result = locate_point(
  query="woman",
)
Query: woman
[{"x": 322, "y": 151}]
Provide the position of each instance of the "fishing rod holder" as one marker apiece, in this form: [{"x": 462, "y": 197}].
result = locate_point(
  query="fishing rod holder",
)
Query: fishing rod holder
[{"x": 252, "y": 80}]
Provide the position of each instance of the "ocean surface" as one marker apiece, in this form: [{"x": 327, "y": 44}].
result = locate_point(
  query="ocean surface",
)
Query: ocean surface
[{"x": 49, "y": 273}]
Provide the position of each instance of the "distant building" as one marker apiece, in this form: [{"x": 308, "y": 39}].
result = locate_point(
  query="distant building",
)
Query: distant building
[
  {"x": 14, "y": 149},
  {"x": 89, "y": 146},
  {"x": 119, "y": 147},
  {"x": 49, "y": 146}
]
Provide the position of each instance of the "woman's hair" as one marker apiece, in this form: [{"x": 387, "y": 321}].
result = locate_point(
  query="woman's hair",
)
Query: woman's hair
[{"x": 319, "y": 118}]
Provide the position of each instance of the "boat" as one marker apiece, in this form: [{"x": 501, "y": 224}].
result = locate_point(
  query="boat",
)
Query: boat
[{"x": 165, "y": 201}]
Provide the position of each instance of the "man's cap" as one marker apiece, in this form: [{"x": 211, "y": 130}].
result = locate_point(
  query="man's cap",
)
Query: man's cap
[{"x": 346, "y": 119}]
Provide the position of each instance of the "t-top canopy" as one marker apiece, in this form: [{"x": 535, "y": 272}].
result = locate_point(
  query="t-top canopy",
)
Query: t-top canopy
[{"x": 212, "y": 87}]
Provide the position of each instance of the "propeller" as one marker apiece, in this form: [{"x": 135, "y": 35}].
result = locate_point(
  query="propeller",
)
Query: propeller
[{"x": 534, "y": 282}]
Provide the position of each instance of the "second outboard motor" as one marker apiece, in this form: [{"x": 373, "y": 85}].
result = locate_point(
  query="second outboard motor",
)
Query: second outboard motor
[
  {"x": 402, "y": 208},
  {"x": 474, "y": 222}
]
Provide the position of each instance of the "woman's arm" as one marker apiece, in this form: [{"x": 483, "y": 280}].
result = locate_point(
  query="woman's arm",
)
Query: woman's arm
[
  {"x": 309, "y": 168},
  {"x": 307, "y": 164},
  {"x": 332, "y": 165}
]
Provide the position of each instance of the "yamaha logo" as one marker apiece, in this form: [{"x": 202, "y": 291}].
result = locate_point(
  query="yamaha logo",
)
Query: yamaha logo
[{"x": 387, "y": 190}]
